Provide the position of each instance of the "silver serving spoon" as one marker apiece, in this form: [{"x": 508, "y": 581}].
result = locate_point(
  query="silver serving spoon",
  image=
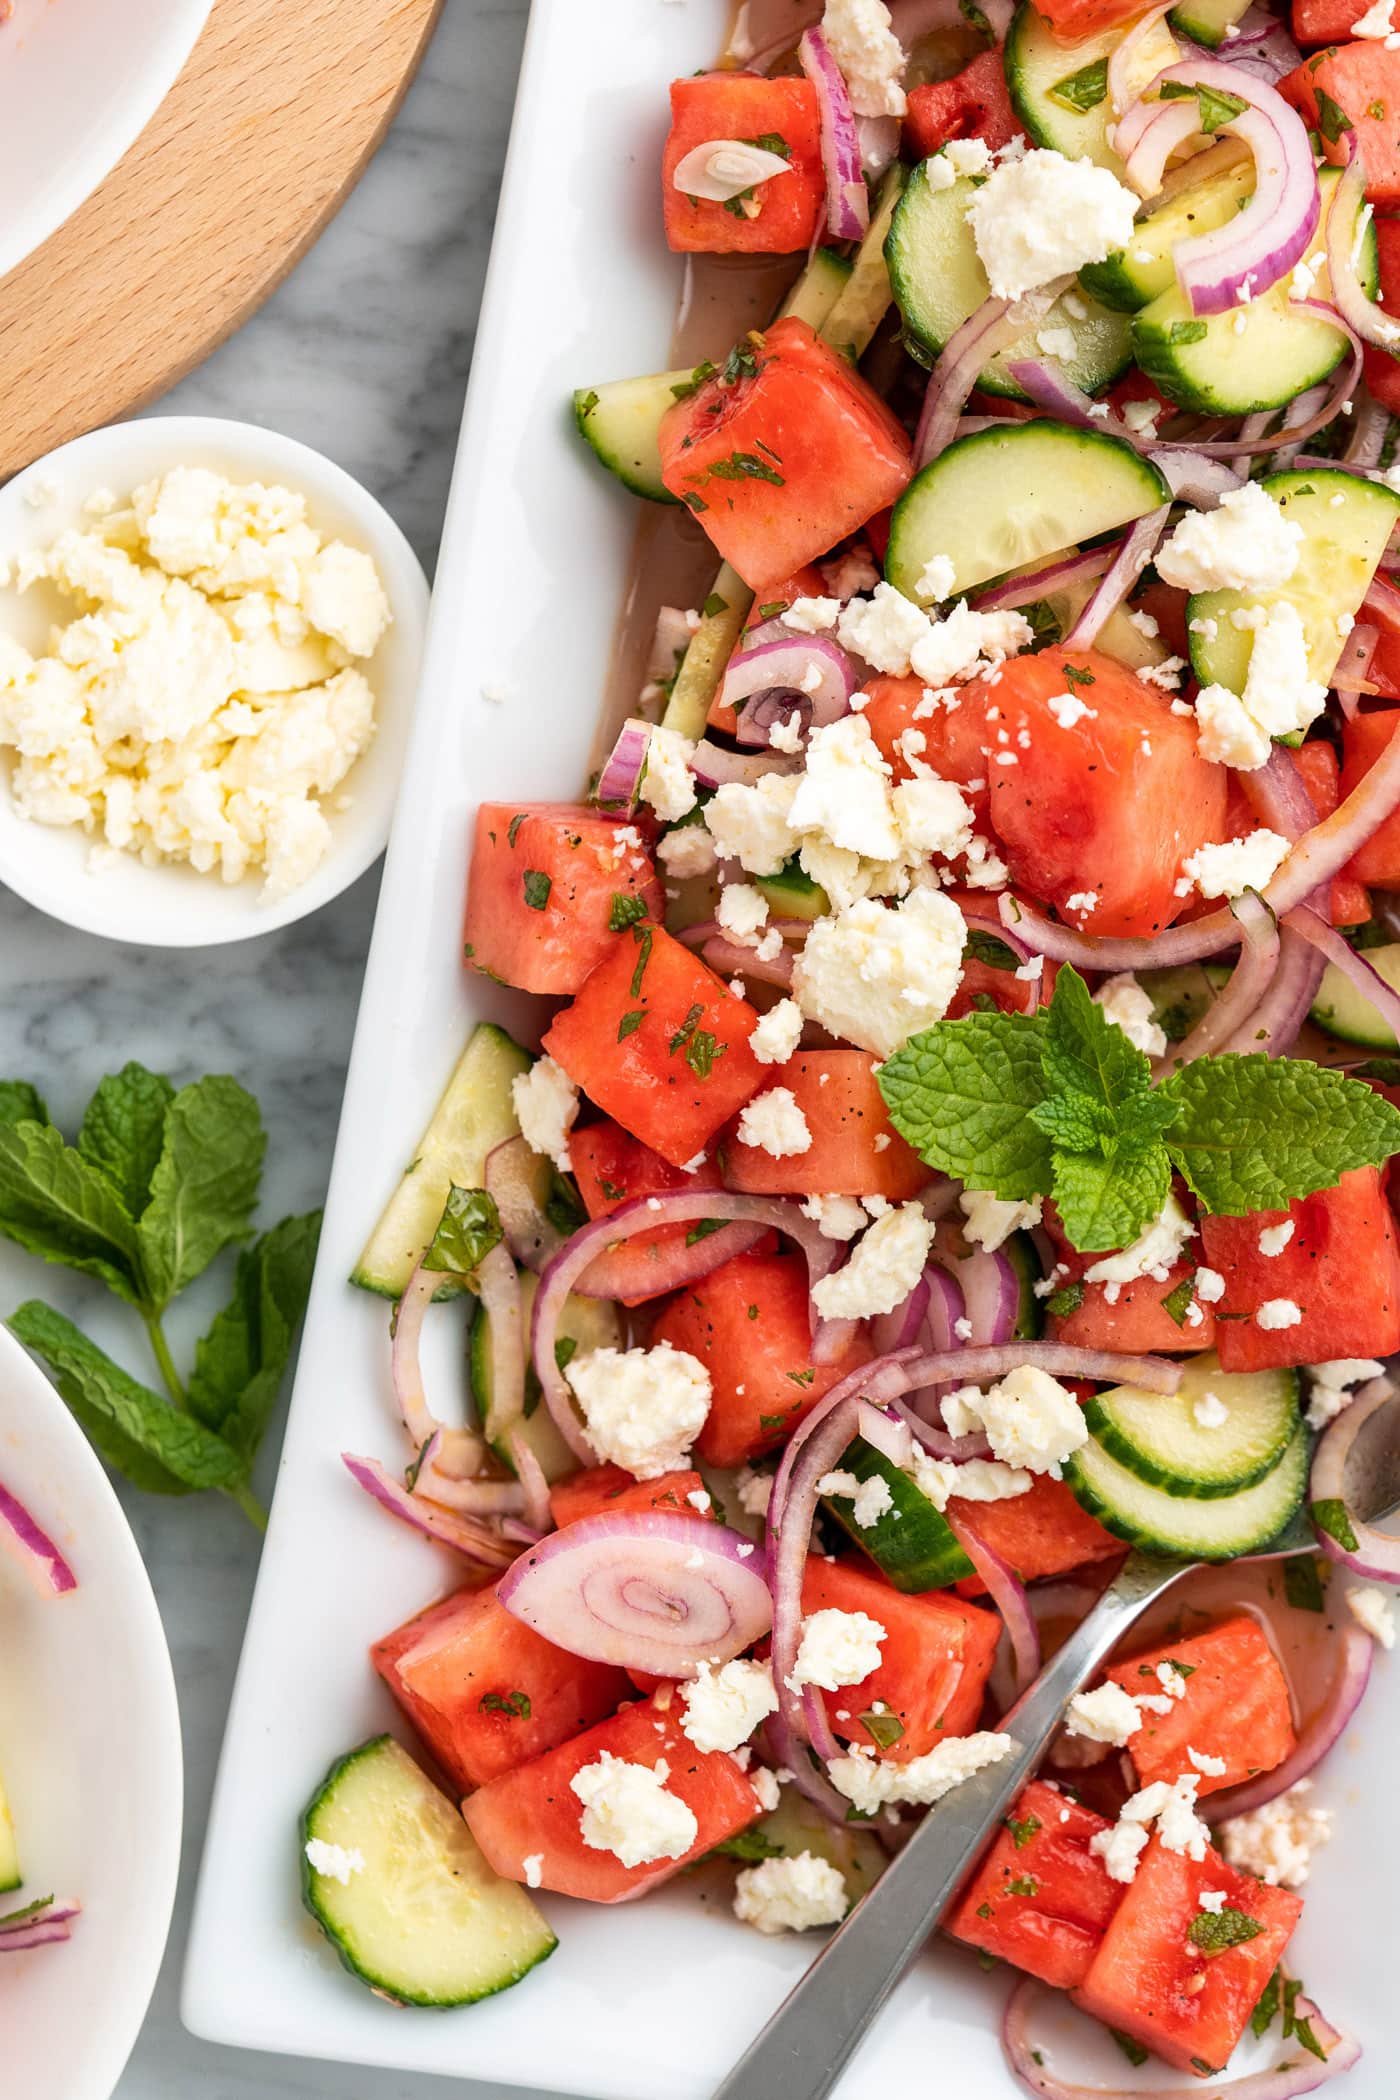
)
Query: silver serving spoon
[{"x": 816, "y": 2030}]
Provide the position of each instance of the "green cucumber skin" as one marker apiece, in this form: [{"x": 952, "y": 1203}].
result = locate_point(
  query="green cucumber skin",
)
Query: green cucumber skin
[
  {"x": 893, "y": 1543},
  {"x": 1291, "y": 1472},
  {"x": 619, "y": 422},
  {"x": 1346, "y": 1013},
  {"x": 1019, "y": 1250},
  {"x": 1119, "y": 1444}
]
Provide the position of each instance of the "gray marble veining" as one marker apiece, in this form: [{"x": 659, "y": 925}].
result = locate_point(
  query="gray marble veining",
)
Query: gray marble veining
[{"x": 364, "y": 353}]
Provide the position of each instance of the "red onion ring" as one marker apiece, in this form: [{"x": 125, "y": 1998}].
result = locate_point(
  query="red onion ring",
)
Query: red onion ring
[
  {"x": 713, "y": 766},
  {"x": 646, "y": 1590},
  {"x": 620, "y": 780},
  {"x": 1009, "y": 1597},
  {"x": 1167, "y": 128},
  {"x": 1120, "y": 63},
  {"x": 1119, "y": 578},
  {"x": 1375, "y": 1555},
  {"x": 1352, "y": 677},
  {"x": 462, "y": 1449},
  {"x": 32, "y": 1547},
  {"x": 847, "y": 203},
  {"x": 979, "y": 1366},
  {"x": 992, "y": 1293},
  {"x": 50, "y": 1910},
  {"x": 473, "y": 1541},
  {"x": 1027, "y": 590},
  {"x": 1194, "y": 477},
  {"x": 44, "y": 1931},
  {"x": 1226, "y": 1017},
  {"x": 886, "y": 1432},
  {"x": 1273, "y": 1027},
  {"x": 782, "y": 665},
  {"x": 1344, "y": 1694},
  {"x": 901, "y": 1328},
  {"x": 1357, "y": 309},
  {"x": 988, "y": 329},
  {"x": 1369, "y": 425},
  {"x": 726, "y": 957},
  {"x": 516, "y": 1177},
  {"x": 530, "y": 1473}
]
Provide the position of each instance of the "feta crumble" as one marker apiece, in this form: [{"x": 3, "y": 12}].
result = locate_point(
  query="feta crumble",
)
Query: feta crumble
[
  {"x": 869, "y": 1499},
  {"x": 794, "y": 1894},
  {"x": 773, "y": 1122},
  {"x": 1278, "y": 1312},
  {"x": 778, "y": 1033},
  {"x": 1373, "y": 1610},
  {"x": 989, "y": 1221},
  {"x": 1277, "y": 1842},
  {"x": 974, "y": 1480},
  {"x": 875, "y": 975},
  {"x": 628, "y": 1812},
  {"x": 724, "y": 1706},
  {"x": 883, "y": 1268},
  {"x": 837, "y": 1648},
  {"x": 835, "y": 1217},
  {"x": 667, "y": 785},
  {"x": 643, "y": 1408},
  {"x": 871, "y": 1784},
  {"x": 686, "y": 853},
  {"x": 936, "y": 578},
  {"x": 1244, "y": 544},
  {"x": 1032, "y": 1422},
  {"x": 1274, "y": 1238},
  {"x": 1172, "y": 1808},
  {"x": 1331, "y": 1386},
  {"x": 1042, "y": 216},
  {"x": 754, "y": 1490},
  {"x": 533, "y": 1867},
  {"x": 1128, "y": 1006},
  {"x": 1107, "y": 1715},
  {"x": 1154, "y": 1252},
  {"x": 1237, "y": 865},
  {"x": 869, "y": 54},
  {"x": 545, "y": 1100},
  {"x": 336, "y": 1862},
  {"x": 1209, "y": 1411}
]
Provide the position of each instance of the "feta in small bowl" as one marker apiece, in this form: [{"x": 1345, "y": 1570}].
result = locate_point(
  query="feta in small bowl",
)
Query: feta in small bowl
[{"x": 210, "y": 639}]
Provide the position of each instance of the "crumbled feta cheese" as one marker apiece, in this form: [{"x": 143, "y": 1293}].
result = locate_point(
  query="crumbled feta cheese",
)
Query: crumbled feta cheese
[
  {"x": 1042, "y": 216},
  {"x": 869, "y": 54},
  {"x": 667, "y": 785},
  {"x": 1213, "y": 1901},
  {"x": 871, "y": 1784},
  {"x": 844, "y": 791},
  {"x": 1278, "y": 1312},
  {"x": 965, "y": 643},
  {"x": 773, "y": 1122},
  {"x": 837, "y": 1648},
  {"x": 742, "y": 910},
  {"x": 1107, "y": 1715},
  {"x": 1032, "y": 1421},
  {"x": 1068, "y": 708},
  {"x": 883, "y": 629},
  {"x": 875, "y": 975},
  {"x": 754, "y": 1491},
  {"x": 533, "y": 1865},
  {"x": 869, "y": 1499},
  {"x": 1372, "y": 1609},
  {"x": 989, "y": 1221},
  {"x": 1153, "y": 1253},
  {"x": 937, "y": 577},
  {"x": 1210, "y": 1286},
  {"x": 1129, "y": 1007},
  {"x": 1057, "y": 342},
  {"x": 1277, "y": 1842},
  {"x": 686, "y": 853},
  {"x": 1142, "y": 417},
  {"x": 835, "y": 1217},
  {"x": 1331, "y": 1386},
  {"x": 1227, "y": 733},
  {"x": 1209, "y": 1411},
  {"x": 545, "y": 1100},
  {"x": 644, "y": 1407},
  {"x": 1244, "y": 544},
  {"x": 932, "y": 816},
  {"x": 851, "y": 574},
  {"x": 765, "y": 1785},
  {"x": 883, "y": 1269},
  {"x": 724, "y": 1706},
  {"x": 336, "y": 1862},
  {"x": 792, "y": 1894},
  {"x": 628, "y": 1812},
  {"x": 1237, "y": 865},
  {"x": 750, "y": 824},
  {"x": 1377, "y": 22},
  {"x": 1173, "y": 1810},
  {"x": 1212, "y": 1767},
  {"x": 1279, "y": 695},
  {"x": 1082, "y": 901},
  {"x": 778, "y": 1033},
  {"x": 812, "y": 615},
  {"x": 974, "y": 1480},
  {"x": 1274, "y": 1238}
]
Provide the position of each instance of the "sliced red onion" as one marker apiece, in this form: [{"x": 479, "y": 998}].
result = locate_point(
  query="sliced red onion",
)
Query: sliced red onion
[
  {"x": 879, "y": 144},
  {"x": 1278, "y": 797},
  {"x": 674, "y": 628},
  {"x": 1299, "y": 2073},
  {"x": 1195, "y": 478},
  {"x": 472, "y": 1541},
  {"x": 1358, "y": 310},
  {"x": 460, "y": 1451},
  {"x": 620, "y": 781},
  {"x": 713, "y": 766},
  {"x": 31, "y": 1545},
  {"x": 1227, "y": 1016},
  {"x": 778, "y": 708},
  {"x": 979, "y": 1366},
  {"x": 530, "y": 1473},
  {"x": 934, "y": 1438},
  {"x": 1344, "y": 1694},
  {"x": 39, "y": 1924},
  {"x": 1262, "y": 45},
  {"x": 702, "y": 930},
  {"x": 1045, "y": 380},
  {"x": 994, "y": 325},
  {"x": 811, "y": 667},
  {"x": 1027, "y": 589},
  {"x": 646, "y": 1590},
  {"x": 1274, "y": 1026},
  {"x": 847, "y": 203},
  {"x": 1376, "y": 1555},
  {"x": 945, "y": 1307},
  {"x": 1125, "y": 55},
  {"x": 519, "y": 1180},
  {"x": 901, "y": 1328},
  {"x": 1352, "y": 677},
  {"x": 1146, "y": 150},
  {"x": 728, "y": 957},
  {"x": 1369, "y": 424},
  {"x": 442, "y": 1474},
  {"x": 1350, "y": 961},
  {"x": 1119, "y": 578},
  {"x": 992, "y": 1291},
  {"x": 1009, "y": 1597},
  {"x": 885, "y": 1432}
]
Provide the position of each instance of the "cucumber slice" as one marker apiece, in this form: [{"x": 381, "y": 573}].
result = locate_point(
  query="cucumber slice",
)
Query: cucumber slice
[
  {"x": 1341, "y": 546},
  {"x": 1157, "y": 1437},
  {"x": 792, "y": 894},
  {"x": 796, "y": 1825},
  {"x": 818, "y": 288},
  {"x": 1019, "y": 1251},
  {"x": 711, "y": 646},
  {"x": 1037, "y": 63},
  {"x": 862, "y": 306},
  {"x": 939, "y": 280},
  {"x": 1258, "y": 356},
  {"x": 474, "y": 1115},
  {"x": 1342, "y": 1010},
  {"x": 589, "y": 1323},
  {"x": 424, "y": 1921},
  {"x": 1220, "y": 182},
  {"x": 1181, "y": 996},
  {"x": 10, "y": 1875},
  {"x": 1005, "y": 497},
  {"x": 1221, "y": 1528},
  {"x": 1206, "y": 21},
  {"x": 911, "y": 1544},
  {"x": 620, "y": 420}
]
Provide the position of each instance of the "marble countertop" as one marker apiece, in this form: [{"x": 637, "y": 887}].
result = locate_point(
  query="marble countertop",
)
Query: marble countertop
[{"x": 364, "y": 353}]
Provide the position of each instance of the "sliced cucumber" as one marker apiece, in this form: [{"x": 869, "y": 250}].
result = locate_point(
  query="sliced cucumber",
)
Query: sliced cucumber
[
  {"x": 424, "y": 1921},
  {"x": 1221, "y": 1528},
  {"x": 10, "y": 1875},
  {"x": 797, "y": 1825},
  {"x": 792, "y": 894},
  {"x": 1342, "y": 543},
  {"x": 817, "y": 289},
  {"x": 939, "y": 280},
  {"x": 620, "y": 421},
  {"x": 1181, "y": 996},
  {"x": 862, "y": 306},
  {"x": 1257, "y": 356},
  {"x": 587, "y": 1323},
  {"x": 1220, "y": 182},
  {"x": 1157, "y": 1436},
  {"x": 1019, "y": 1251},
  {"x": 1037, "y": 63},
  {"x": 710, "y": 648},
  {"x": 1342, "y": 1010},
  {"x": 911, "y": 1544},
  {"x": 1206, "y": 21},
  {"x": 474, "y": 1115},
  {"x": 1008, "y": 496}
]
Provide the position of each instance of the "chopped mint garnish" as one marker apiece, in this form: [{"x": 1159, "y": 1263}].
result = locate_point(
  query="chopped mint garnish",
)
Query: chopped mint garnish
[{"x": 1213, "y": 1931}]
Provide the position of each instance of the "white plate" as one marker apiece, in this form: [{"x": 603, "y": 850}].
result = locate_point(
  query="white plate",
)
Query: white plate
[
  {"x": 90, "y": 1750},
  {"x": 660, "y": 1995},
  {"x": 79, "y": 79}
]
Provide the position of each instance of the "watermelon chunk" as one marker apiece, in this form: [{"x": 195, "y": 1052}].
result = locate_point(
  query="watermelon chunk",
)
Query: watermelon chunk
[
  {"x": 1041, "y": 1899},
  {"x": 790, "y": 207},
  {"x": 540, "y": 891},
  {"x": 855, "y": 1149},
  {"x": 934, "y": 1661},
  {"x": 1234, "y": 1705},
  {"x": 608, "y": 1491}
]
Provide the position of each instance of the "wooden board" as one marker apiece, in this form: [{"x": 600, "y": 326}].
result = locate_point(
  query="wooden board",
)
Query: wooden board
[{"x": 260, "y": 140}]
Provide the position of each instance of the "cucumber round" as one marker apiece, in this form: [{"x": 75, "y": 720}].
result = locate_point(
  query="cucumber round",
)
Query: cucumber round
[
  {"x": 1206, "y": 21},
  {"x": 620, "y": 420},
  {"x": 939, "y": 281},
  {"x": 1343, "y": 1010},
  {"x": 792, "y": 894},
  {"x": 1075, "y": 120},
  {"x": 1181, "y": 996},
  {"x": 911, "y": 1544},
  {"x": 1005, "y": 497},
  {"x": 1257, "y": 356},
  {"x": 864, "y": 300},
  {"x": 475, "y": 1115},
  {"x": 1342, "y": 544},
  {"x": 817, "y": 289},
  {"x": 1157, "y": 1437},
  {"x": 1220, "y": 182},
  {"x": 1219, "y": 1528},
  {"x": 589, "y": 1323},
  {"x": 1019, "y": 1251},
  {"x": 424, "y": 1921}
]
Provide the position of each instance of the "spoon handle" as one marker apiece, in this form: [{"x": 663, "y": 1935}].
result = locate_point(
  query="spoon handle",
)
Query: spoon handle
[{"x": 808, "y": 2042}]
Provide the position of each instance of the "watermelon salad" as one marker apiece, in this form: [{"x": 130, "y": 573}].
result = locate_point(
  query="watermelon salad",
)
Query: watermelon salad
[
  {"x": 43, "y": 1920},
  {"x": 950, "y": 1142}
]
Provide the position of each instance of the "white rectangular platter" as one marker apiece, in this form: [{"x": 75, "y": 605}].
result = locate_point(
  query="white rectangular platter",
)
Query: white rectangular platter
[{"x": 659, "y": 1996}]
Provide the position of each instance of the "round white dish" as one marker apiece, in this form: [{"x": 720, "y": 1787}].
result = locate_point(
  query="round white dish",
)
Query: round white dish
[
  {"x": 169, "y": 905},
  {"x": 79, "y": 79},
  {"x": 90, "y": 1750}
]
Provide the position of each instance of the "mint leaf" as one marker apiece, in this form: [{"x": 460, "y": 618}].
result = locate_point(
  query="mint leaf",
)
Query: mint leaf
[
  {"x": 470, "y": 1226},
  {"x": 204, "y": 1186},
  {"x": 750, "y": 1844},
  {"x": 131, "y": 1427},
  {"x": 239, "y": 1364},
  {"x": 55, "y": 1204},
  {"x": 19, "y": 1103},
  {"x": 961, "y": 1094},
  {"x": 1257, "y": 1132},
  {"x": 124, "y": 1129},
  {"x": 1214, "y": 1931},
  {"x": 1266, "y": 2011},
  {"x": 1073, "y": 1121},
  {"x": 1086, "y": 1053},
  {"x": 1106, "y": 1201}
]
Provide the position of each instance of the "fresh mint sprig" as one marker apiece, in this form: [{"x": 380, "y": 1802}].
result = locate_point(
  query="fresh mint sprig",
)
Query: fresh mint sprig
[
  {"x": 157, "y": 1185},
  {"x": 1061, "y": 1103}
]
